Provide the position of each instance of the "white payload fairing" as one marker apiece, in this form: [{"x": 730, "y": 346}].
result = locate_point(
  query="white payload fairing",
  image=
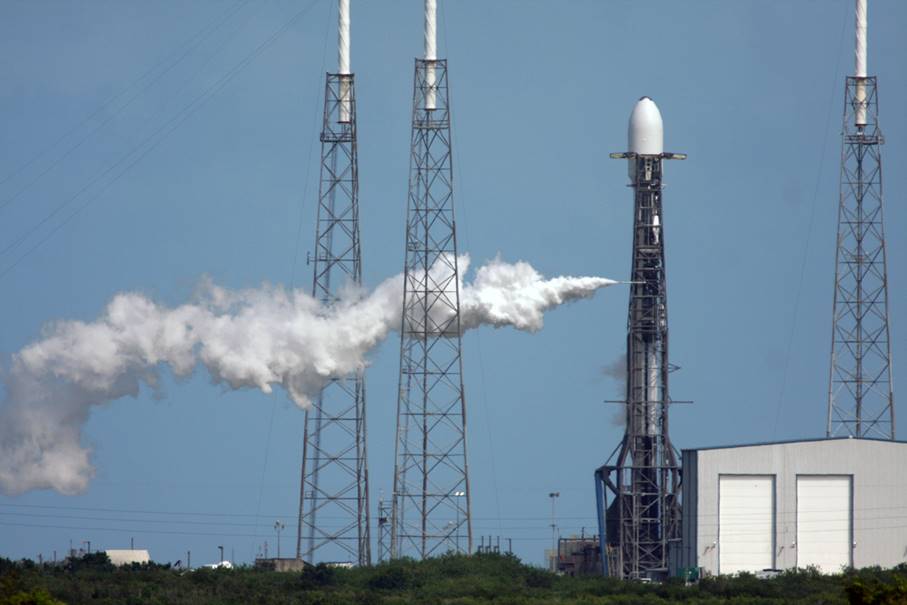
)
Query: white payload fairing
[{"x": 645, "y": 136}]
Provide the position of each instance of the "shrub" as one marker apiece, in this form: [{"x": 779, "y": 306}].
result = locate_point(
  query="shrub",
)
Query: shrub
[
  {"x": 38, "y": 596},
  {"x": 317, "y": 576},
  {"x": 394, "y": 576},
  {"x": 538, "y": 578}
]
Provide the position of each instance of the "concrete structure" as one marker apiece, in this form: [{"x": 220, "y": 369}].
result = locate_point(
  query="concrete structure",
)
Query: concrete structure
[
  {"x": 830, "y": 503},
  {"x": 282, "y": 564},
  {"x": 128, "y": 556}
]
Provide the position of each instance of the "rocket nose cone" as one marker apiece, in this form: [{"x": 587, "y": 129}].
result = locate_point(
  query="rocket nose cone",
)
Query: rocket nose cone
[{"x": 646, "y": 132}]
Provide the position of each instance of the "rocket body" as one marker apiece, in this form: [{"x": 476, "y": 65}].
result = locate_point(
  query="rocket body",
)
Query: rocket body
[
  {"x": 647, "y": 380},
  {"x": 644, "y": 479}
]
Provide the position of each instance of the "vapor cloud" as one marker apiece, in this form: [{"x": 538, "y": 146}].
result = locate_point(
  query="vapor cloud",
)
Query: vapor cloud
[{"x": 259, "y": 338}]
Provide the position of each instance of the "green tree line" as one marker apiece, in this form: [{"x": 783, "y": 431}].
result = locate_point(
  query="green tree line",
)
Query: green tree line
[{"x": 447, "y": 580}]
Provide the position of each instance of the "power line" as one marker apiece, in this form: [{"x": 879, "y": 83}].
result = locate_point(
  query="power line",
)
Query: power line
[
  {"x": 24, "y": 236},
  {"x": 809, "y": 231},
  {"x": 167, "y": 128},
  {"x": 133, "y": 530},
  {"x": 195, "y": 41}
]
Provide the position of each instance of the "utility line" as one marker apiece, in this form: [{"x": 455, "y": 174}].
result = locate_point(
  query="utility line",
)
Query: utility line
[
  {"x": 24, "y": 236},
  {"x": 156, "y": 531},
  {"x": 305, "y": 187},
  {"x": 778, "y": 513},
  {"x": 458, "y": 175},
  {"x": 809, "y": 231},
  {"x": 194, "y": 42},
  {"x": 150, "y": 144}
]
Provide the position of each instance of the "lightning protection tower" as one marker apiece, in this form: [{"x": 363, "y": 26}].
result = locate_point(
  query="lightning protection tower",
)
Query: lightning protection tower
[
  {"x": 430, "y": 507},
  {"x": 643, "y": 480},
  {"x": 333, "y": 498},
  {"x": 860, "y": 396}
]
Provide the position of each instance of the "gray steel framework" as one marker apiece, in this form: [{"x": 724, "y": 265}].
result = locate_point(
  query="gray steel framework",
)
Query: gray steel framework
[
  {"x": 384, "y": 531},
  {"x": 643, "y": 516},
  {"x": 333, "y": 498},
  {"x": 860, "y": 395},
  {"x": 431, "y": 498}
]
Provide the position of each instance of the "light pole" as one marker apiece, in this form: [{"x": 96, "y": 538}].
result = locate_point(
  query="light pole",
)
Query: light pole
[
  {"x": 278, "y": 527},
  {"x": 554, "y": 496},
  {"x": 458, "y": 495}
]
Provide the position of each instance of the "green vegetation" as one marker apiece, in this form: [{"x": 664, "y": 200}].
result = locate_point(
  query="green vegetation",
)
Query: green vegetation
[{"x": 448, "y": 580}]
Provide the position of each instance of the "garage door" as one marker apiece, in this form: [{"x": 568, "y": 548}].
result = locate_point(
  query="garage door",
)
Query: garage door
[
  {"x": 746, "y": 523},
  {"x": 823, "y": 522}
]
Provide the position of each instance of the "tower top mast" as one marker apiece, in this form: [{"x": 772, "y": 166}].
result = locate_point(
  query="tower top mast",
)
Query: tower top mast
[
  {"x": 860, "y": 62},
  {"x": 343, "y": 37}
]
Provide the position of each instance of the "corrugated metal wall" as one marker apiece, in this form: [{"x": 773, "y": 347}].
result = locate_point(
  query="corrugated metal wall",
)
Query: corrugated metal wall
[{"x": 871, "y": 521}]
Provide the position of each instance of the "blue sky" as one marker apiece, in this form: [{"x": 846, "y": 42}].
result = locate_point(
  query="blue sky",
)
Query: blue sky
[{"x": 541, "y": 93}]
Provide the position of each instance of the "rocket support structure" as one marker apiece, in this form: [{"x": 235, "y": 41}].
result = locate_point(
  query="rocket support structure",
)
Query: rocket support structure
[{"x": 638, "y": 490}]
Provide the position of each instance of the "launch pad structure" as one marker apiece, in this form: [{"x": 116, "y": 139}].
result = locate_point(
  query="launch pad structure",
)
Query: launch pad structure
[
  {"x": 430, "y": 510},
  {"x": 642, "y": 516},
  {"x": 333, "y": 498}
]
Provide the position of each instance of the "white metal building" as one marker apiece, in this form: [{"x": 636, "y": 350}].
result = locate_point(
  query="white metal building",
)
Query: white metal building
[
  {"x": 830, "y": 503},
  {"x": 128, "y": 556}
]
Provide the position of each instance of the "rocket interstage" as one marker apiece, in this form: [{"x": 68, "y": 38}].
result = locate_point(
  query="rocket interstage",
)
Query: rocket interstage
[{"x": 643, "y": 515}]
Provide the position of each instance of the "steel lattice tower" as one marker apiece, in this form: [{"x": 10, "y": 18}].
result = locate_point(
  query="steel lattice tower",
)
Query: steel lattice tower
[
  {"x": 384, "y": 531},
  {"x": 643, "y": 516},
  {"x": 860, "y": 396},
  {"x": 333, "y": 499},
  {"x": 430, "y": 509}
]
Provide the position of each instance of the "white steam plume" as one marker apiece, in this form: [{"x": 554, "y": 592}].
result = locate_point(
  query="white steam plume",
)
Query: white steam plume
[{"x": 248, "y": 338}]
